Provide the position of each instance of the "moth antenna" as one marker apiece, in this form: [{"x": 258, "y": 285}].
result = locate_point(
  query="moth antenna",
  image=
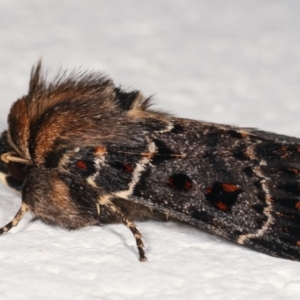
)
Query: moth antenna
[
  {"x": 117, "y": 212},
  {"x": 15, "y": 221}
]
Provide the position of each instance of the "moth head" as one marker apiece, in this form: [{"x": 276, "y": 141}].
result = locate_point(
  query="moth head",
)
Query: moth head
[
  {"x": 54, "y": 109},
  {"x": 74, "y": 109}
]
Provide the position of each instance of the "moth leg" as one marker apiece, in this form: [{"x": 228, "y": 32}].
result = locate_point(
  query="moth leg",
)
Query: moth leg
[
  {"x": 15, "y": 221},
  {"x": 117, "y": 212},
  {"x": 98, "y": 209}
]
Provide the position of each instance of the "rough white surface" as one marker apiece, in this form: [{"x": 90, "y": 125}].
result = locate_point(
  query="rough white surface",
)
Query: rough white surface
[{"x": 234, "y": 62}]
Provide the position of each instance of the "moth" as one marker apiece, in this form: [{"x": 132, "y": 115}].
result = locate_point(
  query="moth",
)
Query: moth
[{"x": 84, "y": 152}]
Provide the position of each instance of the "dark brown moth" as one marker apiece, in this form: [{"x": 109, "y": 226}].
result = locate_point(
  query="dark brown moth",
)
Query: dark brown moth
[{"x": 85, "y": 152}]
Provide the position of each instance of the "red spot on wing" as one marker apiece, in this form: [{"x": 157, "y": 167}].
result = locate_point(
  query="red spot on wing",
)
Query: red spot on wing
[
  {"x": 208, "y": 190},
  {"x": 188, "y": 185},
  {"x": 295, "y": 171},
  {"x": 171, "y": 181},
  {"x": 222, "y": 206},
  {"x": 298, "y": 205},
  {"x": 128, "y": 168},
  {"x": 222, "y": 196},
  {"x": 80, "y": 164},
  {"x": 180, "y": 182},
  {"x": 230, "y": 188},
  {"x": 285, "y": 153}
]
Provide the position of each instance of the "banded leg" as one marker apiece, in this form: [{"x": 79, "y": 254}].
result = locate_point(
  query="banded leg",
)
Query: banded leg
[
  {"x": 138, "y": 236},
  {"x": 15, "y": 221}
]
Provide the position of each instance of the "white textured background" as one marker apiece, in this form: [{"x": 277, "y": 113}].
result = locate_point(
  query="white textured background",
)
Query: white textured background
[{"x": 235, "y": 62}]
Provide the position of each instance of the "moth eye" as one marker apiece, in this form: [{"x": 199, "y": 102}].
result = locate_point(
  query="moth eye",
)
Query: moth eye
[{"x": 80, "y": 164}]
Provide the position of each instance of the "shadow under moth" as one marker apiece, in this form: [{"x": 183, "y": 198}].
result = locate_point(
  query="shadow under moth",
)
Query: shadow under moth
[{"x": 84, "y": 152}]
